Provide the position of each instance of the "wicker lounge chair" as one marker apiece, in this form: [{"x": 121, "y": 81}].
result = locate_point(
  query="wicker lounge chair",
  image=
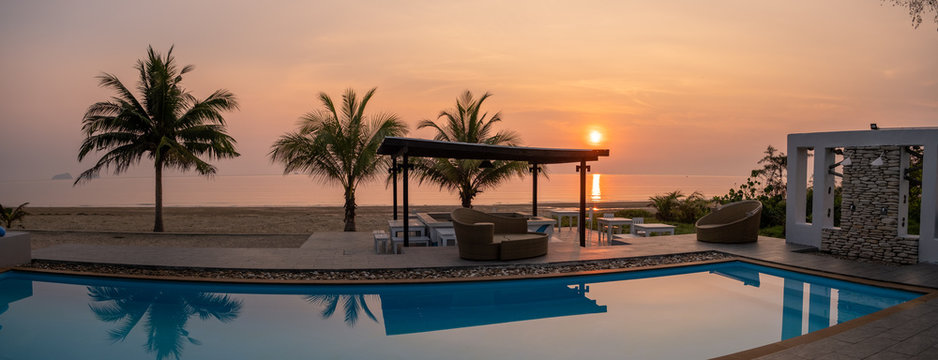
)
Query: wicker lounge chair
[
  {"x": 736, "y": 222},
  {"x": 482, "y": 236}
]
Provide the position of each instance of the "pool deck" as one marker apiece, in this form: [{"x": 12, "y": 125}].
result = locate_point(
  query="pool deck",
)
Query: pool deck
[{"x": 910, "y": 332}]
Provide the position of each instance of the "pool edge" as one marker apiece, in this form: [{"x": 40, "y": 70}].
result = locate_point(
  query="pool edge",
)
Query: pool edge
[
  {"x": 371, "y": 281},
  {"x": 830, "y": 331}
]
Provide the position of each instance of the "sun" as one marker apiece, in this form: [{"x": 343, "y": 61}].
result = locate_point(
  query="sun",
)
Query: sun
[{"x": 595, "y": 137}]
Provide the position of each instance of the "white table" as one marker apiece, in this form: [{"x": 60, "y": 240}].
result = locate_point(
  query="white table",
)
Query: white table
[
  {"x": 568, "y": 213},
  {"x": 610, "y": 223},
  {"x": 418, "y": 231},
  {"x": 657, "y": 228}
]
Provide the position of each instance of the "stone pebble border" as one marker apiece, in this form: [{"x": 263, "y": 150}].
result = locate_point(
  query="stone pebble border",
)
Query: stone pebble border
[{"x": 487, "y": 271}]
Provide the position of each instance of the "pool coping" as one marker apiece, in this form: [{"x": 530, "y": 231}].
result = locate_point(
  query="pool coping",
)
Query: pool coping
[
  {"x": 383, "y": 281},
  {"x": 929, "y": 293}
]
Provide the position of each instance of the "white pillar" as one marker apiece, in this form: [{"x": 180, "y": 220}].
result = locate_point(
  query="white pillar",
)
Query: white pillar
[
  {"x": 823, "y": 203},
  {"x": 797, "y": 230}
]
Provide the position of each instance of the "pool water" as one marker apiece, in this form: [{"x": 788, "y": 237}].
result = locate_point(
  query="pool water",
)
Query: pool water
[{"x": 679, "y": 313}]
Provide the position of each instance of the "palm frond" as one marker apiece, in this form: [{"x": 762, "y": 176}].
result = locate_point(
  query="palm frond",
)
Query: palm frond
[
  {"x": 218, "y": 306},
  {"x": 466, "y": 122},
  {"x": 338, "y": 145}
]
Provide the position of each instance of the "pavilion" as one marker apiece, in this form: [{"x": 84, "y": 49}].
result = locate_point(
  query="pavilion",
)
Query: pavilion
[{"x": 535, "y": 157}]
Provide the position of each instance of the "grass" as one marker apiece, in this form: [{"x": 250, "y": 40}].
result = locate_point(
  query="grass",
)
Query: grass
[
  {"x": 679, "y": 227},
  {"x": 777, "y": 231}
]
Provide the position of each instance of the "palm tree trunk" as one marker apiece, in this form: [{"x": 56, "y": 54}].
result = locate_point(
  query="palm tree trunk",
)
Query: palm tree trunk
[
  {"x": 465, "y": 195},
  {"x": 349, "y": 209},
  {"x": 466, "y": 201},
  {"x": 158, "y": 221}
]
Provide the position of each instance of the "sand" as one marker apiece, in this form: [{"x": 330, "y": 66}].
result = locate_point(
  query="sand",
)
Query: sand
[
  {"x": 232, "y": 220},
  {"x": 213, "y": 226}
]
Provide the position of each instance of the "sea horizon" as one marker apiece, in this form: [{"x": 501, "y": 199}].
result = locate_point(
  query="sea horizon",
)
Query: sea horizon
[{"x": 303, "y": 191}]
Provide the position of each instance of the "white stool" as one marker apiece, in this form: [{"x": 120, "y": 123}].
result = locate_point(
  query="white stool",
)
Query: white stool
[
  {"x": 381, "y": 241},
  {"x": 444, "y": 235}
]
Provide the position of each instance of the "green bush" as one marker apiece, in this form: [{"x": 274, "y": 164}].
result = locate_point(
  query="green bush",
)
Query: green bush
[
  {"x": 634, "y": 213},
  {"x": 675, "y": 206},
  {"x": 777, "y": 231}
]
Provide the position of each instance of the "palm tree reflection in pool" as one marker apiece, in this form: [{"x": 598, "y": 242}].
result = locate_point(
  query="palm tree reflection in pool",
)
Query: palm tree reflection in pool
[
  {"x": 352, "y": 303},
  {"x": 164, "y": 312}
]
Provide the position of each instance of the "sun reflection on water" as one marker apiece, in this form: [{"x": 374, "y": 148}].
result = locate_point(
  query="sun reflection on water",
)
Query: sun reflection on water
[{"x": 596, "y": 194}]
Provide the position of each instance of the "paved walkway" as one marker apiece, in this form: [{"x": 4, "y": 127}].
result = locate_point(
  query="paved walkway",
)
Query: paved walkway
[
  {"x": 910, "y": 332},
  {"x": 355, "y": 250}
]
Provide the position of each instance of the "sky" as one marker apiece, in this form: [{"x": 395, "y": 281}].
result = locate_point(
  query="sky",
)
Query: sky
[{"x": 676, "y": 87}]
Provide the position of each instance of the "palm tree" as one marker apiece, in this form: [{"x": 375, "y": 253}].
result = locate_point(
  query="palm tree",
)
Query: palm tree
[
  {"x": 9, "y": 216},
  {"x": 167, "y": 124},
  {"x": 339, "y": 145},
  {"x": 666, "y": 205},
  {"x": 163, "y": 311},
  {"x": 467, "y": 123}
]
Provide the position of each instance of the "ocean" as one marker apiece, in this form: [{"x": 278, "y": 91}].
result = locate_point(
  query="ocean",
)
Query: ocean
[{"x": 301, "y": 190}]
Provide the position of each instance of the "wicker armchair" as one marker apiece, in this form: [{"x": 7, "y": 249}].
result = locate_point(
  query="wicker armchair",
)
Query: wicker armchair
[
  {"x": 482, "y": 236},
  {"x": 736, "y": 222}
]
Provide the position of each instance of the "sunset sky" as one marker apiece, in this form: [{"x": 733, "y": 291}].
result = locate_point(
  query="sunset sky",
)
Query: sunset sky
[{"x": 676, "y": 87}]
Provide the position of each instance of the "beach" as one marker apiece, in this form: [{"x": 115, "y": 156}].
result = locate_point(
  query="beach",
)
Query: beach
[{"x": 217, "y": 226}]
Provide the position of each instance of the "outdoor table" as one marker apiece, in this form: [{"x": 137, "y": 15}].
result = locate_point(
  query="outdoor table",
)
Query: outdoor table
[
  {"x": 610, "y": 223},
  {"x": 418, "y": 231},
  {"x": 569, "y": 213},
  {"x": 650, "y": 228}
]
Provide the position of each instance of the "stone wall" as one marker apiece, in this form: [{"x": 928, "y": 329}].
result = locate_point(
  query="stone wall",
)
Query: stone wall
[{"x": 870, "y": 210}]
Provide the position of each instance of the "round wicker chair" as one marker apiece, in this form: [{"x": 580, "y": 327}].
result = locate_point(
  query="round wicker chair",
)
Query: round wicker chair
[
  {"x": 481, "y": 236},
  {"x": 736, "y": 222}
]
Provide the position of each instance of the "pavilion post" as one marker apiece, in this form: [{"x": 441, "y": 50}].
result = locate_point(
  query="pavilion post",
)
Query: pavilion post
[
  {"x": 406, "y": 203},
  {"x": 581, "y": 224},
  {"x": 534, "y": 170},
  {"x": 393, "y": 171}
]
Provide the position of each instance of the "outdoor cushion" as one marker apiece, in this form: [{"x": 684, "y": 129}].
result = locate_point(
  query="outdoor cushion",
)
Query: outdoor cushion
[
  {"x": 520, "y": 246},
  {"x": 498, "y": 238}
]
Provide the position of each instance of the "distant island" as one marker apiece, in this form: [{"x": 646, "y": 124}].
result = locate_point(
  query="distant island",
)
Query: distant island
[{"x": 62, "y": 176}]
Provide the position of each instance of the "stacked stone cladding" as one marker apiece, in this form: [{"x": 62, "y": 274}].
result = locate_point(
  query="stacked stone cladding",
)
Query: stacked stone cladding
[{"x": 869, "y": 229}]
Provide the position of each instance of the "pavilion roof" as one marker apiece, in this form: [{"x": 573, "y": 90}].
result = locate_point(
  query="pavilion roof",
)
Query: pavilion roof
[{"x": 398, "y": 146}]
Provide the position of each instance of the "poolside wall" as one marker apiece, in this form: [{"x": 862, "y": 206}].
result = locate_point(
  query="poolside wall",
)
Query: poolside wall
[
  {"x": 15, "y": 249},
  {"x": 869, "y": 228}
]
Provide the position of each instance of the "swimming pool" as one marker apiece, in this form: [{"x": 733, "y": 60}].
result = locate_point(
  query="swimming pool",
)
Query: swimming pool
[{"x": 677, "y": 313}]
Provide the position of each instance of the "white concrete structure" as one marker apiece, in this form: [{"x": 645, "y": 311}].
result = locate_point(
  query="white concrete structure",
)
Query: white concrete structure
[
  {"x": 15, "y": 249},
  {"x": 799, "y": 231}
]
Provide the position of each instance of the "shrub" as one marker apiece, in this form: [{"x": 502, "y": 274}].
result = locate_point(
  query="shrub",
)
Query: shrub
[
  {"x": 777, "y": 231},
  {"x": 674, "y": 206},
  {"x": 10, "y": 216},
  {"x": 666, "y": 205},
  {"x": 691, "y": 208},
  {"x": 634, "y": 213}
]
